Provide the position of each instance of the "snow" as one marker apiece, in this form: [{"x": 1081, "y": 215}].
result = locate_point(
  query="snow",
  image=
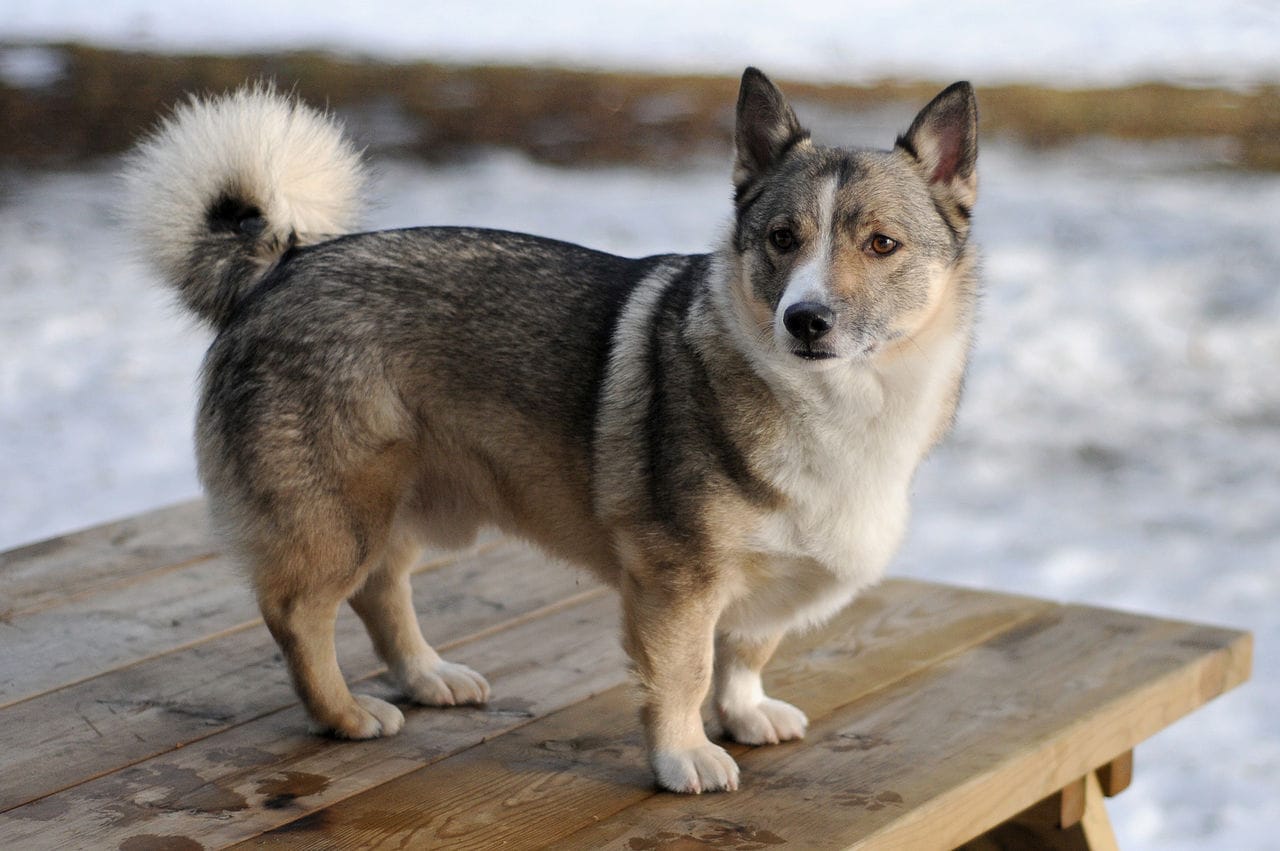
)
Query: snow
[{"x": 1230, "y": 42}]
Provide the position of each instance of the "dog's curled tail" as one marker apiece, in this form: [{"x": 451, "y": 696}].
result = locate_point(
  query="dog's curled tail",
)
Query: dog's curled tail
[{"x": 224, "y": 186}]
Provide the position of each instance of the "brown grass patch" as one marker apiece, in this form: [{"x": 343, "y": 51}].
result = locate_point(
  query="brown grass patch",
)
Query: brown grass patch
[{"x": 106, "y": 98}]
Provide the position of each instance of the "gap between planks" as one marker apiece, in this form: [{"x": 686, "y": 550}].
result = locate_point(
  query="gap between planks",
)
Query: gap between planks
[
  {"x": 975, "y": 739},
  {"x": 49, "y": 675},
  {"x": 479, "y": 785},
  {"x": 33, "y": 577},
  {"x": 581, "y": 775},
  {"x": 185, "y": 697},
  {"x": 204, "y": 789}
]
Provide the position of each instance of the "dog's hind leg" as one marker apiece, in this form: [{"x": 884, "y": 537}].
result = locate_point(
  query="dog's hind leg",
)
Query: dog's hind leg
[
  {"x": 747, "y": 714},
  {"x": 323, "y": 541},
  {"x": 385, "y": 604},
  {"x": 299, "y": 601}
]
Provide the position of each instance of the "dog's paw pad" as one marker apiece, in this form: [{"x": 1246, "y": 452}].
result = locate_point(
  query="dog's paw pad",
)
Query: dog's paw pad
[
  {"x": 766, "y": 723},
  {"x": 445, "y": 684},
  {"x": 705, "y": 768},
  {"x": 366, "y": 718}
]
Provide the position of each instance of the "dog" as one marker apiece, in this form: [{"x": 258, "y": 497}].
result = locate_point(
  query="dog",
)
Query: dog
[{"x": 727, "y": 438}]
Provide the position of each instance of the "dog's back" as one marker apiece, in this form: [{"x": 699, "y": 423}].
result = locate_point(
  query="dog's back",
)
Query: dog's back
[{"x": 482, "y": 353}]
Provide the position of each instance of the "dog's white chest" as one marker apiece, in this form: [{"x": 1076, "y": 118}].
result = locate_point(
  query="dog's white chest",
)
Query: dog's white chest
[
  {"x": 845, "y": 467},
  {"x": 845, "y": 470}
]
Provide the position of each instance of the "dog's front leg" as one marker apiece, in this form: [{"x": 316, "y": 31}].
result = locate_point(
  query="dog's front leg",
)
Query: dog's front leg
[
  {"x": 670, "y": 635},
  {"x": 749, "y": 715}
]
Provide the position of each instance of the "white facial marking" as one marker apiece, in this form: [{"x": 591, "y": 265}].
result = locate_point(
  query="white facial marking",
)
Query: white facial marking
[{"x": 810, "y": 281}]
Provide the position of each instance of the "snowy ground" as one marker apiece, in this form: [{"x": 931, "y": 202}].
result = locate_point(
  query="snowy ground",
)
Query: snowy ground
[
  {"x": 1119, "y": 442},
  {"x": 1096, "y": 42}
]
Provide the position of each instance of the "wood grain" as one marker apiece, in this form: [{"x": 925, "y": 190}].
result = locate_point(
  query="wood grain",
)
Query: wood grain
[
  {"x": 268, "y": 771},
  {"x": 143, "y": 704},
  {"x": 70, "y": 567},
  {"x": 964, "y": 745},
  {"x": 113, "y": 720},
  {"x": 150, "y": 607},
  {"x": 537, "y": 785}
]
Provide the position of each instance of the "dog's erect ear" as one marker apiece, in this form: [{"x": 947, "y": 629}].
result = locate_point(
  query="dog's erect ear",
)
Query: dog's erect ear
[
  {"x": 766, "y": 128},
  {"x": 944, "y": 139}
]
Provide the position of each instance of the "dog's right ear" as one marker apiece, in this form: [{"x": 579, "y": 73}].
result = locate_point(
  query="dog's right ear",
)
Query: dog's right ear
[
  {"x": 766, "y": 128},
  {"x": 944, "y": 140}
]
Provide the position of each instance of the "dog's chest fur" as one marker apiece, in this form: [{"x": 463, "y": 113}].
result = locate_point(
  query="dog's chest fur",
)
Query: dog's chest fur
[{"x": 844, "y": 463}]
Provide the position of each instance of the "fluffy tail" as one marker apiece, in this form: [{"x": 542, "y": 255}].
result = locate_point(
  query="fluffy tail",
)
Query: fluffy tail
[{"x": 224, "y": 186}]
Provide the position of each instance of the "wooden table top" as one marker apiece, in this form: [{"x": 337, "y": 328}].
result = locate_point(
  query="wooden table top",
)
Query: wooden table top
[{"x": 143, "y": 705}]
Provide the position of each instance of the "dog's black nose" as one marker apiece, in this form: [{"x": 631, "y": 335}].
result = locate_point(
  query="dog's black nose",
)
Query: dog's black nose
[{"x": 808, "y": 321}]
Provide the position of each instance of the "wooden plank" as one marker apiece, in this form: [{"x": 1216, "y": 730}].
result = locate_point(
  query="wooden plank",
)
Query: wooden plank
[
  {"x": 258, "y": 775},
  {"x": 118, "y": 625},
  {"x": 966, "y": 744},
  {"x": 104, "y": 723},
  {"x": 69, "y": 567},
  {"x": 536, "y": 785},
  {"x": 55, "y": 647}
]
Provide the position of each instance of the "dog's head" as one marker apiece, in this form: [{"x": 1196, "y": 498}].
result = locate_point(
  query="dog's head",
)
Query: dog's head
[{"x": 842, "y": 252}]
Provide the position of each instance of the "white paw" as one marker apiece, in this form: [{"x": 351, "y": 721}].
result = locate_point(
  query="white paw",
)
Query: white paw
[
  {"x": 444, "y": 684},
  {"x": 766, "y": 723},
  {"x": 705, "y": 768},
  {"x": 366, "y": 718}
]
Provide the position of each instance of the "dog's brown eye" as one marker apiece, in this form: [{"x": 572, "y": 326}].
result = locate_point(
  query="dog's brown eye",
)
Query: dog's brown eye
[
  {"x": 883, "y": 245},
  {"x": 782, "y": 239}
]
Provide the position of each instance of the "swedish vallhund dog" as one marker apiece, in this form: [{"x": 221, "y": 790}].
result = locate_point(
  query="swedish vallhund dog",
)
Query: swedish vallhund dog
[{"x": 726, "y": 438}]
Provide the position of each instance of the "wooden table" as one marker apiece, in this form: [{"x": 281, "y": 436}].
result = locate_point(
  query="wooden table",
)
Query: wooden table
[{"x": 144, "y": 706}]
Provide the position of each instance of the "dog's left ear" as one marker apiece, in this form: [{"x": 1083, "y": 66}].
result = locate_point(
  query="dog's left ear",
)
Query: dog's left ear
[
  {"x": 944, "y": 139},
  {"x": 766, "y": 128}
]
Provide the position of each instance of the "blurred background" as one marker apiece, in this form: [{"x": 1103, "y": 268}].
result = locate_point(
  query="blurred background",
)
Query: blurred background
[{"x": 1119, "y": 443}]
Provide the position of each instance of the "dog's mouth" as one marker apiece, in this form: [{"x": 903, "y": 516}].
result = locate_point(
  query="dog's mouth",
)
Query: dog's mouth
[{"x": 813, "y": 354}]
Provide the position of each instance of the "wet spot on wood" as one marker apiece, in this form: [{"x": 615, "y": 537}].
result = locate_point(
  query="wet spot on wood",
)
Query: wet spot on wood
[
  {"x": 846, "y": 742},
  {"x": 709, "y": 833},
  {"x": 515, "y": 706},
  {"x": 869, "y": 801},
  {"x": 186, "y": 788},
  {"x": 242, "y": 757},
  {"x": 558, "y": 745},
  {"x": 208, "y": 715},
  {"x": 581, "y": 744},
  {"x": 289, "y": 786},
  {"x": 209, "y": 798},
  {"x": 156, "y": 842}
]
